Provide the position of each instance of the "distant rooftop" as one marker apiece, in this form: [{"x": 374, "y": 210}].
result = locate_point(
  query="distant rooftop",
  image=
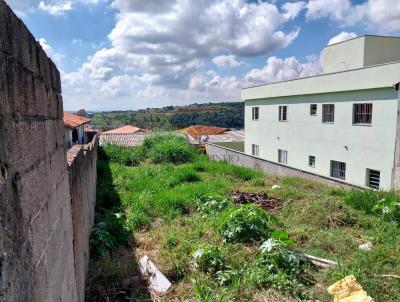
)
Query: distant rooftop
[
  {"x": 200, "y": 130},
  {"x": 73, "y": 121},
  {"x": 125, "y": 130}
]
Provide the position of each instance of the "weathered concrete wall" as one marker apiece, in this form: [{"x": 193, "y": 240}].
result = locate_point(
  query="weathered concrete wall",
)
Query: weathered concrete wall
[
  {"x": 36, "y": 229},
  {"x": 82, "y": 176},
  {"x": 216, "y": 152}
]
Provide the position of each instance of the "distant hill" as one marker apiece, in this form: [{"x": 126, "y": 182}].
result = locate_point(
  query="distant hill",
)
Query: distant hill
[{"x": 227, "y": 115}]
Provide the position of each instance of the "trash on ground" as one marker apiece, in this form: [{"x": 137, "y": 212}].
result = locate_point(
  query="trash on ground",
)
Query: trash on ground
[
  {"x": 158, "y": 282},
  {"x": 268, "y": 204},
  {"x": 348, "y": 290},
  {"x": 366, "y": 246},
  {"x": 275, "y": 187},
  {"x": 320, "y": 262}
]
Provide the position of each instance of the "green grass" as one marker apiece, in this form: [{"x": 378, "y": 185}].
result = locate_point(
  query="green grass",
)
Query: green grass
[{"x": 172, "y": 210}]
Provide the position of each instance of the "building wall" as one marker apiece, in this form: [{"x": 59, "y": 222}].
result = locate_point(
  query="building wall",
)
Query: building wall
[
  {"x": 360, "y": 147},
  {"x": 82, "y": 177},
  {"x": 380, "y": 50},
  {"x": 36, "y": 234},
  {"x": 343, "y": 56}
]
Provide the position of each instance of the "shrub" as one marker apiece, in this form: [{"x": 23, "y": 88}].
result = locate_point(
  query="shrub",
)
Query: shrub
[
  {"x": 182, "y": 175},
  {"x": 207, "y": 258},
  {"x": 280, "y": 268},
  {"x": 385, "y": 204},
  {"x": 168, "y": 148},
  {"x": 246, "y": 223},
  {"x": 212, "y": 204},
  {"x": 122, "y": 155},
  {"x": 109, "y": 233}
]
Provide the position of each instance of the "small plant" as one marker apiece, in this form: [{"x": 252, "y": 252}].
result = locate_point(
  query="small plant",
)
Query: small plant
[
  {"x": 108, "y": 234},
  {"x": 281, "y": 268},
  {"x": 207, "y": 259},
  {"x": 246, "y": 223},
  {"x": 213, "y": 204},
  {"x": 389, "y": 208}
]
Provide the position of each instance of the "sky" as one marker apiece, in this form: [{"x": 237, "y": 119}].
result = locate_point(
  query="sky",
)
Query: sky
[{"x": 133, "y": 54}]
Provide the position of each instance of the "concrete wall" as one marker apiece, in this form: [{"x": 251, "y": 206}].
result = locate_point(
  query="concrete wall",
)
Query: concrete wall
[
  {"x": 36, "y": 233},
  {"x": 216, "y": 152},
  {"x": 380, "y": 50},
  {"x": 360, "y": 147},
  {"x": 82, "y": 177},
  {"x": 40, "y": 258}
]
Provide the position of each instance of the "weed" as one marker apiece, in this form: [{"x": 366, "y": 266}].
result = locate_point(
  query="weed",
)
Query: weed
[
  {"x": 122, "y": 155},
  {"x": 213, "y": 204},
  {"x": 246, "y": 223},
  {"x": 207, "y": 258}
]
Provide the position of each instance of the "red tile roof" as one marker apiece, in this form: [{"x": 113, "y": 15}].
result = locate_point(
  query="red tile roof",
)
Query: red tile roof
[
  {"x": 199, "y": 130},
  {"x": 125, "y": 129},
  {"x": 73, "y": 121}
]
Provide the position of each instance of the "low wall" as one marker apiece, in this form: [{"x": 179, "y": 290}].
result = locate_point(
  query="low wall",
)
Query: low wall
[
  {"x": 82, "y": 178},
  {"x": 216, "y": 152}
]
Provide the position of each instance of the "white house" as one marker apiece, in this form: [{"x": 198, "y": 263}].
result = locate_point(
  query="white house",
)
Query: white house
[
  {"x": 74, "y": 129},
  {"x": 343, "y": 124}
]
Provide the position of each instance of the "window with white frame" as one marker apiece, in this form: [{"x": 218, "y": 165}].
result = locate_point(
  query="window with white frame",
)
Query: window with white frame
[
  {"x": 255, "y": 150},
  {"x": 282, "y": 156},
  {"x": 373, "y": 178},
  {"x": 338, "y": 169},
  {"x": 283, "y": 111},
  {"x": 313, "y": 109},
  {"x": 311, "y": 161},
  {"x": 255, "y": 113},
  {"x": 362, "y": 114},
  {"x": 328, "y": 113}
]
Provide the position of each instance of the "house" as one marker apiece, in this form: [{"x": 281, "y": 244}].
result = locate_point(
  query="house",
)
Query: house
[
  {"x": 343, "y": 124},
  {"x": 199, "y": 134},
  {"x": 128, "y": 129},
  {"x": 74, "y": 129}
]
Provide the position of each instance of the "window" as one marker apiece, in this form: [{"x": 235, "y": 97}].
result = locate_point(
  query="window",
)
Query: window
[
  {"x": 362, "y": 114},
  {"x": 282, "y": 156},
  {"x": 328, "y": 113},
  {"x": 311, "y": 161},
  {"x": 255, "y": 113},
  {"x": 282, "y": 113},
  {"x": 373, "y": 178},
  {"x": 254, "y": 150},
  {"x": 338, "y": 169},
  {"x": 313, "y": 109}
]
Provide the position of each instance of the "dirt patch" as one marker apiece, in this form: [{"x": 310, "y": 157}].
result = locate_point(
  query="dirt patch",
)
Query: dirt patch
[{"x": 269, "y": 204}]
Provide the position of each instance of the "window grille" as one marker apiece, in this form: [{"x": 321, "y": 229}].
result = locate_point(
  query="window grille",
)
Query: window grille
[
  {"x": 362, "y": 114},
  {"x": 254, "y": 150},
  {"x": 282, "y": 156},
  {"x": 311, "y": 161},
  {"x": 255, "y": 113},
  {"x": 338, "y": 169},
  {"x": 313, "y": 109},
  {"x": 328, "y": 113},
  {"x": 373, "y": 178},
  {"x": 283, "y": 113}
]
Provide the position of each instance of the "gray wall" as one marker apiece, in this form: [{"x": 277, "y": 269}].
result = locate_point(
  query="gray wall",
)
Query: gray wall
[
  {"x": 37, "y": 243},
  {"x": 216, "y": 152}
]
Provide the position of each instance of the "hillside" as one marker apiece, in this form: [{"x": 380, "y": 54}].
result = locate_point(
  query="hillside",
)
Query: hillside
[{"x": 228, "y": 115}]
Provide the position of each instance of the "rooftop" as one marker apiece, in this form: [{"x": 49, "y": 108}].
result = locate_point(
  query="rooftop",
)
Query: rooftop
[
  {"x": 73, "y": 121},
  {"x": 125, "y": 130},
  {"x": 200, "y": 130}
]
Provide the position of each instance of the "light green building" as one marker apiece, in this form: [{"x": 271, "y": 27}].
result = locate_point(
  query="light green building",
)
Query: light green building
[{"x": 343, "y": 124}]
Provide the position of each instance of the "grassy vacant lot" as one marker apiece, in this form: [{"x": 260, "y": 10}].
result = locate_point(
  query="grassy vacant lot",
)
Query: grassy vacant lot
[{"x": 165, "y": 201}]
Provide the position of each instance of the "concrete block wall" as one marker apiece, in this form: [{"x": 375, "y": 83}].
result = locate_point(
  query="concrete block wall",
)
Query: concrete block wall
[
  {"x": 82, "y": 176},
  {"x": 39, "y": 254}
]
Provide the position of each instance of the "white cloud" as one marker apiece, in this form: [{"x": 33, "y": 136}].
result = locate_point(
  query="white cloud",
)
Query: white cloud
[
  {"x": 162, "y": 47},
  {"x": 56, "y": 7},
  {"x": 57, "y": 57},
  {"x": 343, "y": 36},
  {"x": 228, "y": 61},
  {"x": 276, "y": 70},
  {"x": 381, "y": 15}
]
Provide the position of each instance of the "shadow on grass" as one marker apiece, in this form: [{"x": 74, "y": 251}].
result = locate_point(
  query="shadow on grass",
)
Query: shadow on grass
[{"x": 114, "y": 273}]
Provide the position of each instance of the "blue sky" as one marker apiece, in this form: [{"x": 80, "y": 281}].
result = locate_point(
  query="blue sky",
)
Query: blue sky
[{"x": 130, "y": 54}]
